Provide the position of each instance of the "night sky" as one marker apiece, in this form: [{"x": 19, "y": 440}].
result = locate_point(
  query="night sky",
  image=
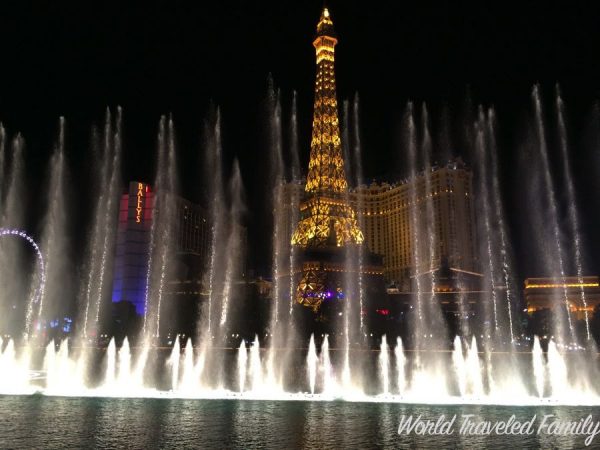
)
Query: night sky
[{"x": 75, "y": 59}]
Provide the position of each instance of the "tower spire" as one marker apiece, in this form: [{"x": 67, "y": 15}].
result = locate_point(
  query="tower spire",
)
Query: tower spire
[
  {"x": 326, "y": 218},
  {"x": 325, "y": 25},
  {"x": 326, "y": 166}
]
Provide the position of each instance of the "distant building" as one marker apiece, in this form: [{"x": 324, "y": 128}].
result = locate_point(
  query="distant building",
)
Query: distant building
[
  {"x": 133, "y": 240},
  {"x": 136, "y": 214},
  {"x": 543, "y": 293},
  {"x": 386, "y": 214}
]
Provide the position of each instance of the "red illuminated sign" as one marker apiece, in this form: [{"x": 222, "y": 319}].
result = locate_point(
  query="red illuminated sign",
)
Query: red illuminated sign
[{"x": 140, "y": 202}]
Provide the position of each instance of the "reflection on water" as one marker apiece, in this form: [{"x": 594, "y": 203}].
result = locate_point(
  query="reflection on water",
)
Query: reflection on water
[{"x": 55, "y": 422}]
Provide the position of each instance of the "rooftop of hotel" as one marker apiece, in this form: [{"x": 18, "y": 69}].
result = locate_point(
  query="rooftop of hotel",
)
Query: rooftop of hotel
[{"x": 382, "y": 185}]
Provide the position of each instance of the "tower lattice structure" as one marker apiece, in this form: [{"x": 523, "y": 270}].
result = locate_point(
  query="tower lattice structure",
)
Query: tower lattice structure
[{"x": 326, "y": 218}]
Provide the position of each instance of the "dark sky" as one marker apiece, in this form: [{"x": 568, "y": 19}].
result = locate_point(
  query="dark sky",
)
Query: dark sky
[{"x": 74, "y": 59}]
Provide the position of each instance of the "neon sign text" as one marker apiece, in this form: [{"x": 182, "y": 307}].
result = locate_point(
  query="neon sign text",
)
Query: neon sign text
[{"x": 140, "y": 200}]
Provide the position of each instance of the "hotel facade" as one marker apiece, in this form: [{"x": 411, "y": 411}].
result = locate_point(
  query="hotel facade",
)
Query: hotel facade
[
  {"x": 387, "y": 214},
  {"x": 581, "y": 294},
  {"x": 136, "y": 214}
]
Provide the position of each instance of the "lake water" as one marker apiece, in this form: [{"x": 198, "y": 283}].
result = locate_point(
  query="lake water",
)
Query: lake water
[{"x": 58, "y": 422}]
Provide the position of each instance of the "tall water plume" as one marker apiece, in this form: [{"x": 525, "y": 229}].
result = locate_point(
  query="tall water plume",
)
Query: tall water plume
[
  {"x": 353, "y": 321},
  {"x": 554, "y": 256},
  {"x": 95, "y": 238},
  {"x": 226, "y": 271},
  {"x": 280, "y": 241},
  {"x": 235, "y": 251},
  {"x": 359, "y": 179},
  {"x": 433, "y": 261},
  {"x": 490, "y": 307},
  {"x": 356, "y": 141},
  {"x": 428, "y": 331},
  {"x": 508, "y": 279},
  {"x": 12, "y": 215},
  {"x": 349, "y": 262},
  {"x": 12, "y": 212},
  {"x": 209, "y": 332},
  {"x": 294, "y": 144},
  {"x": 110, "y": 214},
  {"x": 572, "y": 205},
  {"x": 101, "y": 239},
  {"x": 276, "y": 174},
  {"x": 350, "y": 266},
  {"x": 213, "y": 172},
  {"x": 292, "y": 216},
  {"x": 431, "y": 223},
  {"x": 294, "y": 212},
  {"x": 162, "y": 238},
  {"x": 419, "y": 324},
  {"x": 54, "y": 243},
  {"x": 503, "y": 375},
  {"x": 497, "y": 306}
]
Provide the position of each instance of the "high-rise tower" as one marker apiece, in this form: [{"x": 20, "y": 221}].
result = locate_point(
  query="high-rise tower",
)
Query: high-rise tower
[
  {"x": 326, "y": 217},
  {"x": 327, "y": 221}
]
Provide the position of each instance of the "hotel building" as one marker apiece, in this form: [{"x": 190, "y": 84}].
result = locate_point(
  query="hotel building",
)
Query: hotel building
[
  {"x": 136, "y": 214},
  {"x": 386, "y": 214},
  {"x": 543, "y": 293}
]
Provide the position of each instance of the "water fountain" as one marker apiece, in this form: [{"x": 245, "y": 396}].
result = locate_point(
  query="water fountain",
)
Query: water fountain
[
  {"x": 555, "y": 254},
  {"x": 477, "y": 367},
  {"x": 359, "y": 295},
  {"x": 242, "y": 365},
  {"x": 384, "y": 367},
  {"x": 100, "y": 252},
  {"x": 279, "y": 243}
]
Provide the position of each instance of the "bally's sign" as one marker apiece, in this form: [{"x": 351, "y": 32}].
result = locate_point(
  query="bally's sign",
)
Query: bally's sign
[{"x": 140, "y": 203}]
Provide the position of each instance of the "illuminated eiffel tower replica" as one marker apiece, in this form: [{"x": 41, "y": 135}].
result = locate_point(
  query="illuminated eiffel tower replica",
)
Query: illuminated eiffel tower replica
[{"x": 328, "y": 232}]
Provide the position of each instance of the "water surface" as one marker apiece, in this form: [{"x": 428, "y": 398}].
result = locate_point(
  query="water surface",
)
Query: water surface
[{"x": 58, "y": 422}]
